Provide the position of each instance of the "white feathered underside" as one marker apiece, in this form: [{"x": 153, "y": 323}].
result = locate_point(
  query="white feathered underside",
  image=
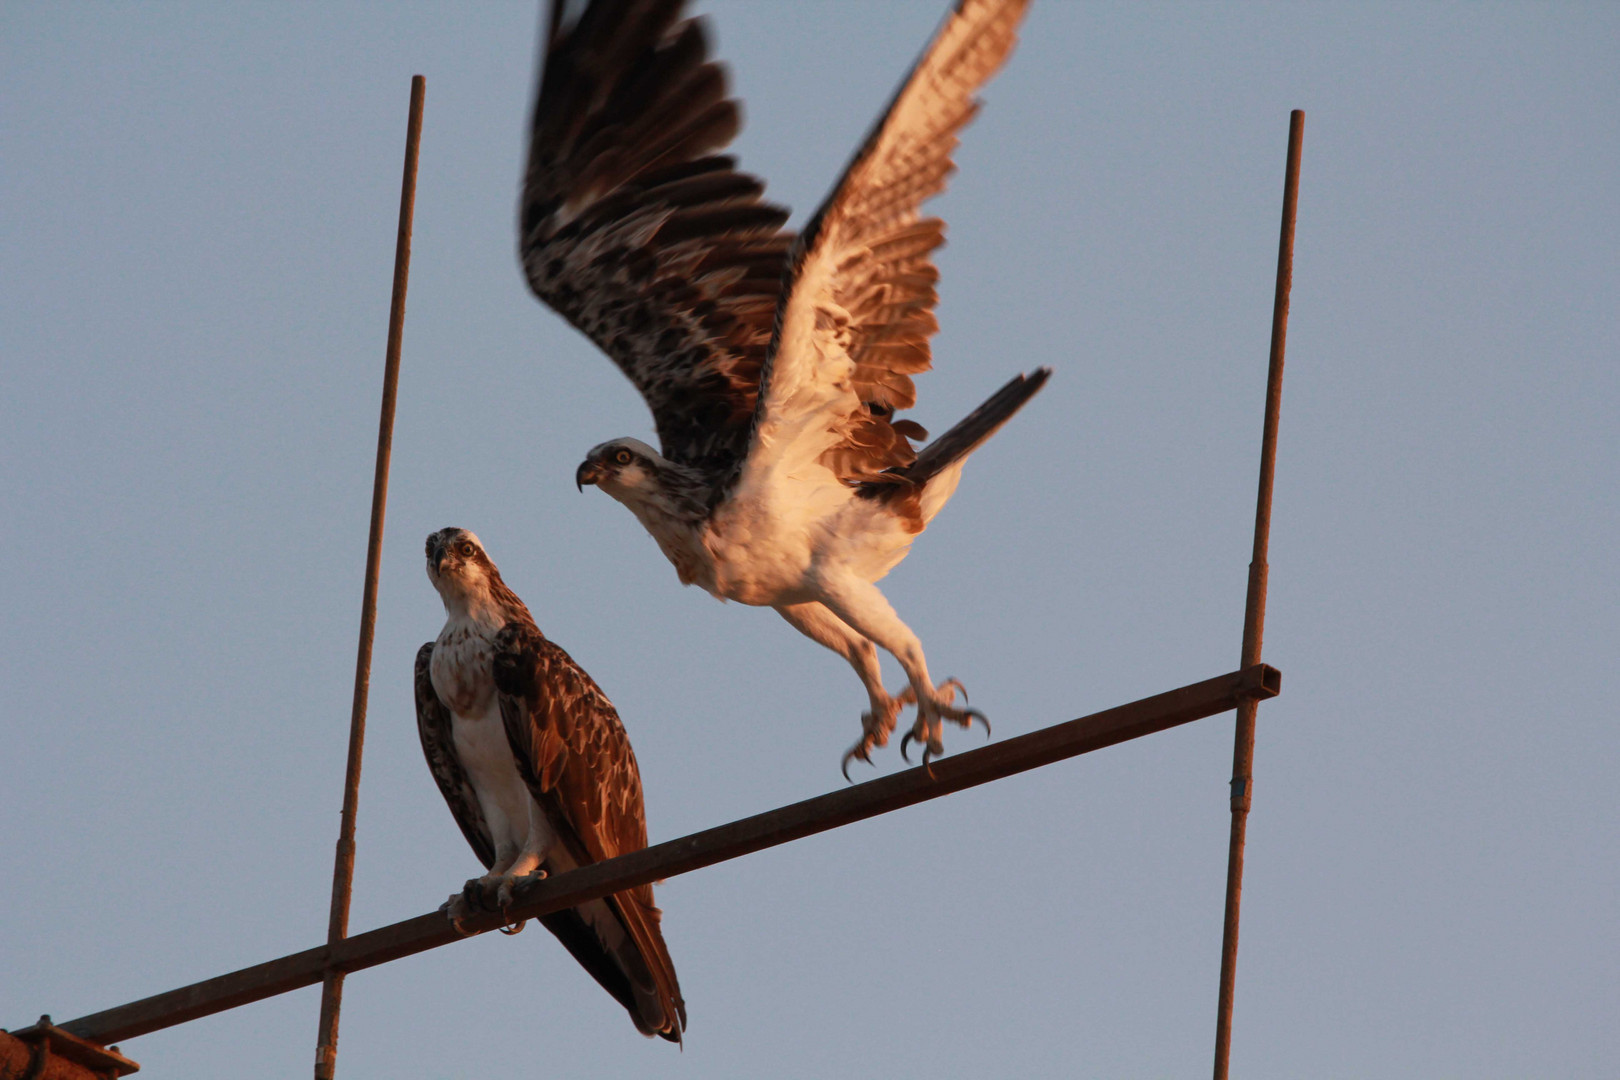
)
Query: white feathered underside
[{"x": 810, "y": 385}]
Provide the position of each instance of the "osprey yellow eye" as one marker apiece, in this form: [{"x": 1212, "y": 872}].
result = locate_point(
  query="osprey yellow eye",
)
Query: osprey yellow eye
[
  {"x": 621, "y": 456},
  {"x": 465, "y": 548}
]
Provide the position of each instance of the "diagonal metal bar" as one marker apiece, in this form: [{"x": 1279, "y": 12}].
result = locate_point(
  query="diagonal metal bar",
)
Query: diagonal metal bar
[
  {"x": 742, "y": 837},
  {"x": 343, "y": 861},
  {"x": 1254, "y": 613}
]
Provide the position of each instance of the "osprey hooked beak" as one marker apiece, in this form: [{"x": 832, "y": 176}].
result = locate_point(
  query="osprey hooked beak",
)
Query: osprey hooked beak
[{"x": 589, "y": 472}]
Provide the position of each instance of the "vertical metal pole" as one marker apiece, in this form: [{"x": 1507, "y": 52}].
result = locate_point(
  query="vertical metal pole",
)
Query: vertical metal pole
[
  {"x": 343, "y": 869},
  {"x": 1254, "y": 614}
]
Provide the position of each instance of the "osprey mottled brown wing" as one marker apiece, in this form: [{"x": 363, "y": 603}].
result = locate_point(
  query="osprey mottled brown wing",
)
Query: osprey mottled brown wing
[
  {"x": 573, "y": 753},
  {"x": 433, "y": 725},
  {"x": 639, "y": 234},
  {"x": 856, "y": 322}
]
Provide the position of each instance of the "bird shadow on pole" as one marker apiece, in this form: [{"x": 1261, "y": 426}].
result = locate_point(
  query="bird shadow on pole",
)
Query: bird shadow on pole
[{"x": 343, "y": 868}]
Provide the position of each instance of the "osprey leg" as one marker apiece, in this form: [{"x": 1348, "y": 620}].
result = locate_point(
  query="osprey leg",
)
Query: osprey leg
[
  {"x": 815, "y": 622},
  {"x": 530, "y": 861},
  {"x": 863, "y": 607}
]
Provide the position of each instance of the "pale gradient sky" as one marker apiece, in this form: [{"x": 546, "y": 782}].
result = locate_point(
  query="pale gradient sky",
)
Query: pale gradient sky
[{"x": 197, "y": 208}]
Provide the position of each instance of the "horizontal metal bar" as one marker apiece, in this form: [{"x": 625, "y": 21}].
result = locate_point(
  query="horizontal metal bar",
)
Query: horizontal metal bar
[{"x": 700, "y": 849}]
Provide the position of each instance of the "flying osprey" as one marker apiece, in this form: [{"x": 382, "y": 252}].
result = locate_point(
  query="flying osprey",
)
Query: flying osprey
[
  {"x": 773, "y": 364},
  {"x": 539, "y": 774}
]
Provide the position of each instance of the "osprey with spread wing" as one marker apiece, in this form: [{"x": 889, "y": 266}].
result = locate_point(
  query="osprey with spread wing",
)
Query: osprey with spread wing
[
  {"x": 538, "y": 772},
  {"x": 774, "y": 364}
]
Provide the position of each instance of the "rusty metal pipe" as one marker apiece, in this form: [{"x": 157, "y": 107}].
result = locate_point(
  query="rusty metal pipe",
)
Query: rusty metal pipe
[
  {"x": 730, "y": 841},
  {"x": 343, "y": 868},
  {"x": 1254, "y": 612}
]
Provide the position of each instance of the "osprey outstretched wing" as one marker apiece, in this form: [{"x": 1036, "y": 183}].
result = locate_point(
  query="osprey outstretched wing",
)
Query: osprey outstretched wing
[
  {"x": 774, "y": 366},
  {"x": 659, "y": 250},
  {"x": 538, "y": 772},
  {"x": 855, "y": 323}
]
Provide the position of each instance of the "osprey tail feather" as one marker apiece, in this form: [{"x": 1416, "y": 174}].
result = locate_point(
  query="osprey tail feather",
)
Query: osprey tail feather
[
  {"x": 918, "y": 491},
  {"x": 628, "y": 959},
  {"x": 972, "y": 430}
]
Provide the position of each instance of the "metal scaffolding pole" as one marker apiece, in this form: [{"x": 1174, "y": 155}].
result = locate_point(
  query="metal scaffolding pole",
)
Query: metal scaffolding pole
[
  {"x": 1254, "y": 614},
  {"x": 343, "y": 868},
  {"x": 842, "y": 807}
]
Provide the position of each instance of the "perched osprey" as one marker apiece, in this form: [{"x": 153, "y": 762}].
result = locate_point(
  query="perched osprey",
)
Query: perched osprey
[
  {"x": 773, "y": 364},
  {"x": 539, "y": 774}
]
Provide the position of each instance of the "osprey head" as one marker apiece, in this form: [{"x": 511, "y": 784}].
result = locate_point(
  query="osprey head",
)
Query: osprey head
[
  {"x": 624, "y": 468},
  {"x": 456, "y": 561}
]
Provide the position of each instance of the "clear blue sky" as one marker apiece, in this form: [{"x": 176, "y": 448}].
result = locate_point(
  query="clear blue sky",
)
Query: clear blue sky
[{"x": 197, "y": 209}]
